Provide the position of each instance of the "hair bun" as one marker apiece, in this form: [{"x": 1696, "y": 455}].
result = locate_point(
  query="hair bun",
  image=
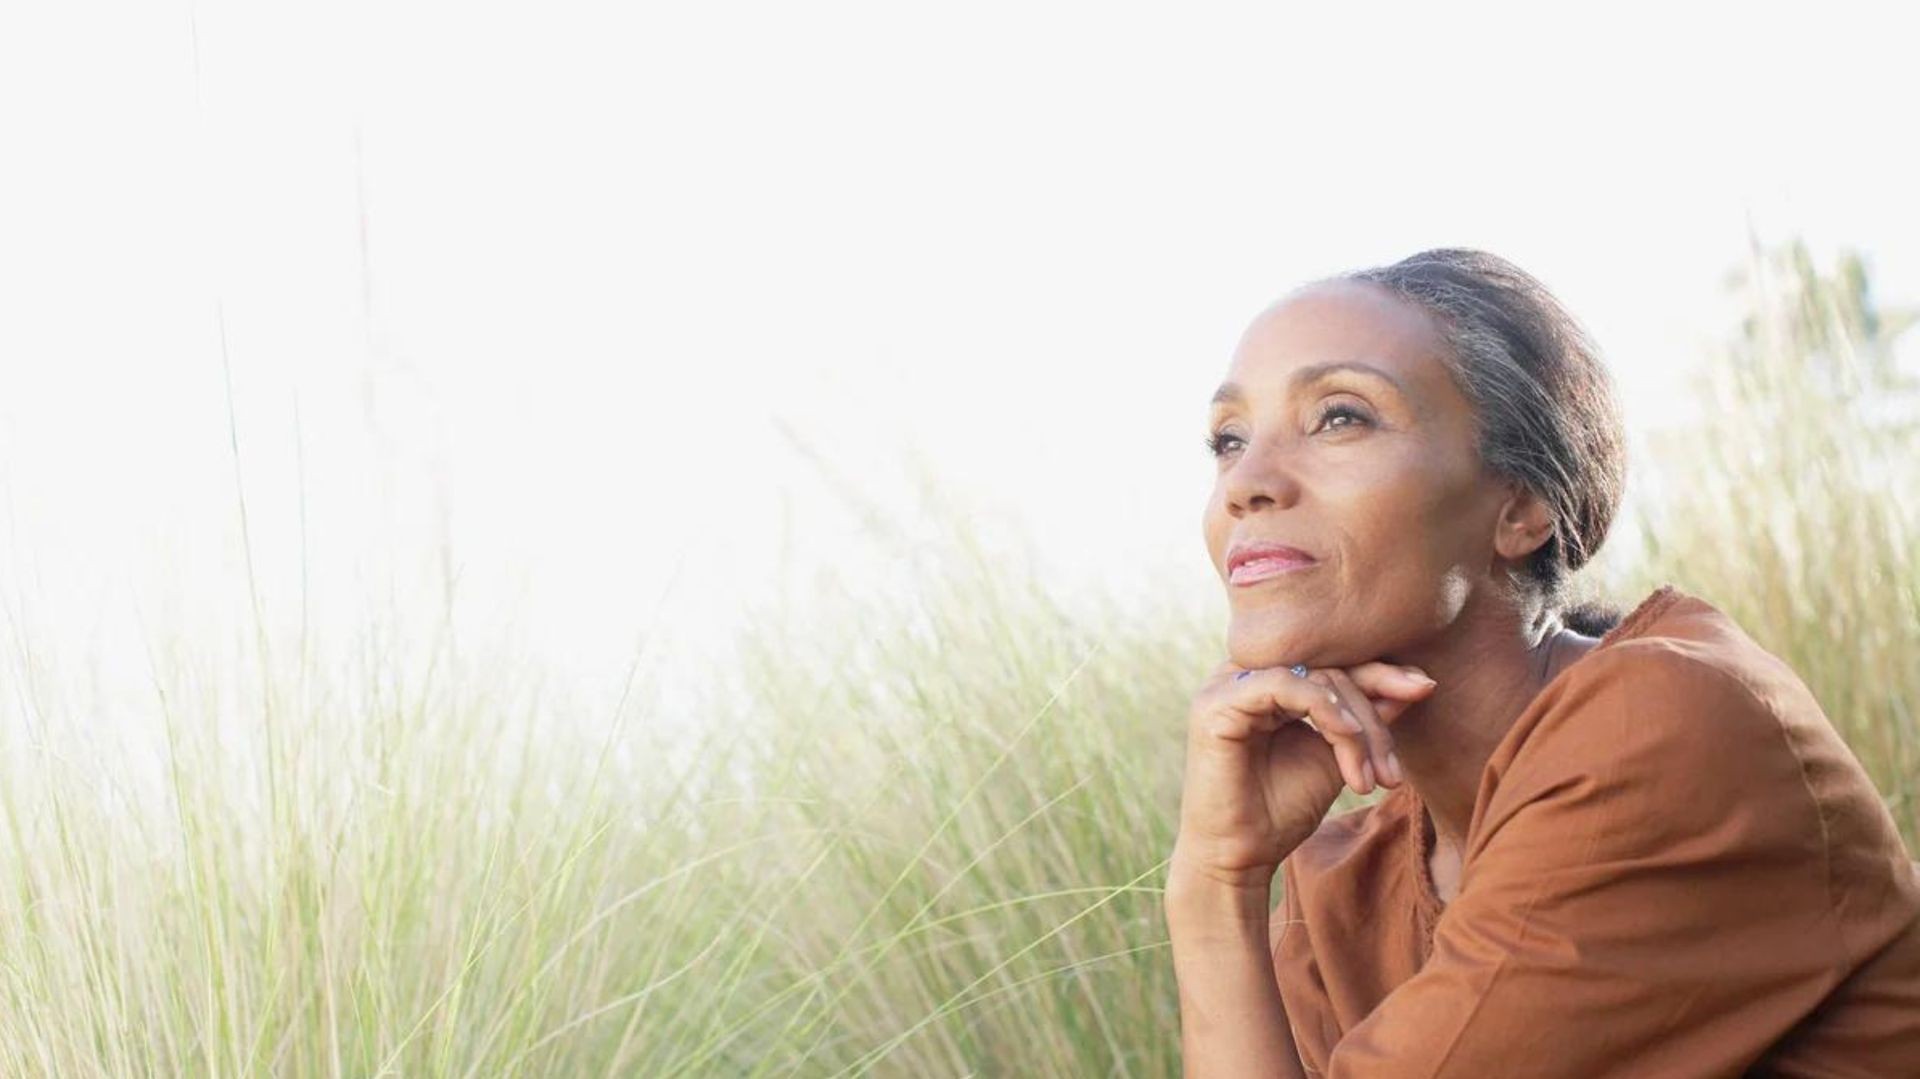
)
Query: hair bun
[{"x": 1592, "y": 619}]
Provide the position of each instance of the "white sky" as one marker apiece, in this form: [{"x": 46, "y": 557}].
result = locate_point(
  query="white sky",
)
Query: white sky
[{"x": 553, "y": 270}]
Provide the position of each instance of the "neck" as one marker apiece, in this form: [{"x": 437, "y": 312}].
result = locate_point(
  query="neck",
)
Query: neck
[{"x": 1489, "y": 665}]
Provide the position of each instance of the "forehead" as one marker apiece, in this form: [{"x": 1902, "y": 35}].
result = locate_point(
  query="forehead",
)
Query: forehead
[{"x": 1336, "y": 321}]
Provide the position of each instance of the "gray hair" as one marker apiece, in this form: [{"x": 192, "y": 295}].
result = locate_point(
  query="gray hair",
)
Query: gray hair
[{"x": 1545, "y": 411}]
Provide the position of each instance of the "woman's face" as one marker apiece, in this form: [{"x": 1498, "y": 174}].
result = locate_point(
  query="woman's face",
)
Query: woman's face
[{"x": 1371, "y": 469}]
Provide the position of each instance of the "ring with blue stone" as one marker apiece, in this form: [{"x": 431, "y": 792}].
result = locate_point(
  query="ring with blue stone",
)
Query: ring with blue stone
[{"x": 1298, "y": 669}]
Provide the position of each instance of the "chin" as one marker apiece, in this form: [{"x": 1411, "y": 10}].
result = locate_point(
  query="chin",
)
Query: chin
[
  {"x": 1255, "y": 647},
  {"x": 1254, "y": 642}
]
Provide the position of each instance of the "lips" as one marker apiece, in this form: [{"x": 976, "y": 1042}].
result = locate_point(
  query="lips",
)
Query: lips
[{"x": 1249, "y": 562}]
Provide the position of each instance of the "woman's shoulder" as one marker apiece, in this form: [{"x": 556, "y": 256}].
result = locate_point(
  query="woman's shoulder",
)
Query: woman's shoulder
[
  {"x": 1673, "y": 721},
  {"x": 1680, "y": 726},
  {"x": 1677, "y": 669}
]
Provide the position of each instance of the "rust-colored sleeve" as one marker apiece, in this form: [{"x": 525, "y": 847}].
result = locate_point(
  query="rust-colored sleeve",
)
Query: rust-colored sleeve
[
  {"x": 1649, "y": 895},
  {"x": 1288, "y": 918}
]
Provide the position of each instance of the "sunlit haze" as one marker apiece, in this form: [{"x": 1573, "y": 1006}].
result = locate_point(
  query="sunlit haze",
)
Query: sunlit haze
[{"x": 569, "y": 287}]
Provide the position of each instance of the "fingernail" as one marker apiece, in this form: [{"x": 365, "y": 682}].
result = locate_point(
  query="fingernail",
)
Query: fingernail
[
  {"x": 1418, "y": 675},
  {"x": 1352, "y": 721},
  {"x": 1393, "y": 765},
  {"x": 1366, "y": 774}
]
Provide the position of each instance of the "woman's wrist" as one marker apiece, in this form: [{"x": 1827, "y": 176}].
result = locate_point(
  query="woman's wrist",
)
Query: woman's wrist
[
  {"x": 1212, "y": 895},
  {"x": 1232, "y": 1018}
]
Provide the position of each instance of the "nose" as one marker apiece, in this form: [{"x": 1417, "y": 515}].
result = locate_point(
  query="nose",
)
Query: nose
[{"x": 1261, "y": 476}]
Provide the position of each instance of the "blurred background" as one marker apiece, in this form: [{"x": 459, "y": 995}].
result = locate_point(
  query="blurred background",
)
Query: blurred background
[{"x": 504, "y": 502}]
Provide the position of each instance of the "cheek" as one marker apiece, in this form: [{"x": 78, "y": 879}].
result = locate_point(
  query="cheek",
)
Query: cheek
[
  {"x": 1394, "y": 516},
  {"x": 1215, "y": 526},
  {"x": 1405, "y": 536}
]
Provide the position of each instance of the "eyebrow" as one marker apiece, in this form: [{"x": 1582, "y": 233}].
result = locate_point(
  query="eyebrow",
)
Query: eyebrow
[{"x": 1231, "y": 393}]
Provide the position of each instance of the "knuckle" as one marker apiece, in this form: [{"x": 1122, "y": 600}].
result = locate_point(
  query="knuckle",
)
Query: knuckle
[{"x": 1224, "y": 728}]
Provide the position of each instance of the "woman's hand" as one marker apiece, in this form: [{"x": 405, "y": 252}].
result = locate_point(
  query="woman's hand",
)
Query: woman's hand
[{"x": 1259, "y": 779}]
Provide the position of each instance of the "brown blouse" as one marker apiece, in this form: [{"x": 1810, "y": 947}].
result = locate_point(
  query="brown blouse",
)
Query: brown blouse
[{"x": 1675, "y": 867}]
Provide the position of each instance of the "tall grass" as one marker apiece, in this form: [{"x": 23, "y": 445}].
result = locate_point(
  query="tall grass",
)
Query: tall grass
[
  {"x": 1791, "y": 502},
  {"x": 924, "y": 833}
]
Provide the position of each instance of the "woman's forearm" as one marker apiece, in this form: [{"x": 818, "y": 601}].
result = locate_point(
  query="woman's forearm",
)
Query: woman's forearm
[{"x": 1232, "y": 1021}]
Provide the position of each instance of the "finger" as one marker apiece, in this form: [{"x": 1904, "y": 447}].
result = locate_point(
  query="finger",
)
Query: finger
[
  {"x": 1276, "y": 695},
  {"x": 1349, "y": 740},
  {"x": 1346, "y": 757},
  {"x": 1351, "y": 754},
  {"x": 1391, "y": 680},
  {"x": 1340, "y": 731},
  {"x": 1389, "y": 709},
  {"x": 1379, "y": 742},
  {"x": 1361, "y": 707},
  {"x": 1348, "y": 751},
  {"x": 1291, "y": 697}
]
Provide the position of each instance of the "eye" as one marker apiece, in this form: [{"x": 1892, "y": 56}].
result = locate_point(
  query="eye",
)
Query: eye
[
  {"x": 1217, "y": 443},
  {"x": 1220, "y": 443},
  {"x": 1346, "y": 410}
]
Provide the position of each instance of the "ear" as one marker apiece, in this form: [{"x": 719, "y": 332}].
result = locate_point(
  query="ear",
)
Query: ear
[{"x": 1524, "y": 526}]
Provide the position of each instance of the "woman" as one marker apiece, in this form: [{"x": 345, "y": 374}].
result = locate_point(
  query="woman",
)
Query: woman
[{"x": 1610, "y": 845}]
